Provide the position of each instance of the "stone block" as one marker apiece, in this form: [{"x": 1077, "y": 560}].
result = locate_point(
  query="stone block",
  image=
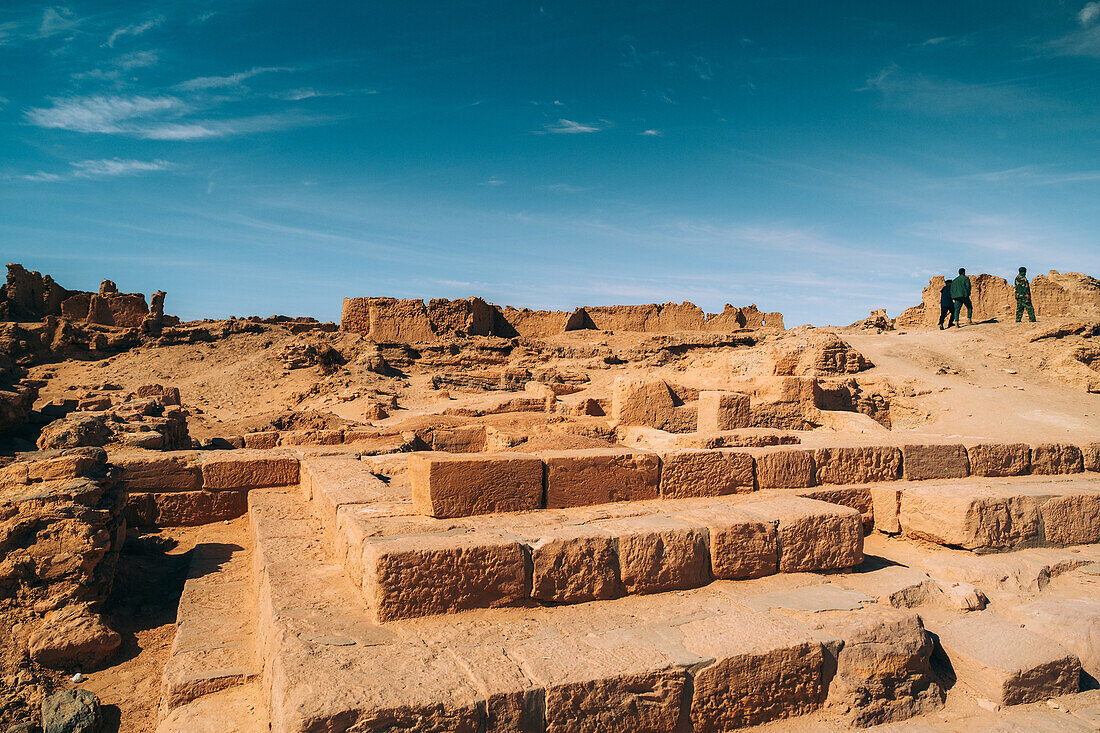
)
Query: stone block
[
  {"x": 1071, "y": 519},
  {"x": 760, "y": 668},
  {"x": 1054, "y": 458},
  {"x": 647, "y": 402},
  {"x": 785, "y": 469},
  {"x": 742, "y": 544},
  {"x": 857, "y": 465},
  {"x": 886, "y": 503},
  {"x": 999, "y": 459},
  {"x": 693, "y": 473},
  {"x": 813, "y": 535},
  {"x": 574, "y": 565},
  {"x": 166, "y": 472},
  {"x": 973, "y": 518},
  {"x": 59, "y": 465},
  {"x": 407, "y": 576},
  {"x": 600, "y": 476},
  {"x": 1090, "y": 454},
  {"x": 855, "y": 496},
  {"x": 923, "y": 462},
  {"x": 464, "y": 439},
  {"x": 263, "y": 440},
  {"x": 462, "y": 485},
  {"x": 1071, "y": 623},
  {"x": 245, "y": 469},
  {"x": 658, "y": 553},
  {"x": 720, "y": 411},
  {"x": 190, "y": 508},
  {"x": 1007, "y": 664}
]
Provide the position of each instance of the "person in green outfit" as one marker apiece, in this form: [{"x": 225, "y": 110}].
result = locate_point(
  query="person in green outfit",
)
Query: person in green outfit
[
  {"x": 960, "y": 295},
  {"x": 1023, "y": 297}
]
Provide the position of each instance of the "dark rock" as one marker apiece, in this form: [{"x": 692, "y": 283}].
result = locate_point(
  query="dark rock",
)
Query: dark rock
[{"x": 71, "y": 711}]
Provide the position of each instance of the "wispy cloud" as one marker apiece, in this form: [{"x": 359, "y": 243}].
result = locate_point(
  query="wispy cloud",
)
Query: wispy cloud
[
  {"x": 929, "y": 95},
  {"x": 1089, "y": 14},
  {"x": 297, "y": 95},
  {"x": 1083, "y": 42},
  {"x": 104, "y": 168},
  {"x": 133, "y": 30},
  {"x": 494, "y": 181},
  {"x": 565, "y": 188},
  {"x": 1032, "y": 176},
  {"x": 989, "y": 232},
  {"x": 650, "y": 133},
  {"x": 569, "y": 127},
  {"x": 219, "y": 82},
  {"x": 56, "y": 20}
]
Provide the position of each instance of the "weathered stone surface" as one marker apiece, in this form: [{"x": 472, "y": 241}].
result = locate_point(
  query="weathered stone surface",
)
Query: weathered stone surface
[
  {"x": 1090, "y": 454},
  {"x": 1072, "y": 624},
  {"x": 813, "y": 535},
  {"x": 658, "y": 553},
  {"x": 600, "y": 476},
  {"x": 1005, "y": 663},
  {"x": 785, "y": 469},
  {"x": 922, "y": 462},
  {"x": 972, "y": 517},
  {"x": 705, "y": 473},
  {"x": 420, "y": 575},
  {"x": 336, "y": 481},
  {"x": 244, "y": 469},
  {"x": 185, "y": 508},
  {"x": 854, "y": 496},
  {"x": 1053, "y": 458},
  {"x": 720, "y": 411},
  {"x": 72, "y": 636},
  {"x": 999, "y": 459},
  {"x": 886, "y": 502},
  {"x": 1071, "y": 520},
  {"x": 742, "y": 544},
  {"x": 859, "y": 465},
  {"x": 894, "y": 585},
  {"x": 460, "y": 485},
  {"x": 171, "y": 472},
  {"x": 263, "y": 440},
  {"x": 71, "y": 711},
  {"x": 646, "y": 402},
  {"x": 574, "y": 565},
  {"x": 763, "y": 668}
]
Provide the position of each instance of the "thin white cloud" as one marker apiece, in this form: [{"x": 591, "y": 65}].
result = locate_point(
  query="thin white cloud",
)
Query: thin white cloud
[
  {"x": 102, "y": 114},
  {"x": 494, "y": 181},
  {"x": 565, "y": 188},
  {"x": 56, "y": 20},
  {"x": 1083, "y": 42},
  {"x": 650, "y": 133},
  {"x": 1031, "y": 176},
  {"x": 220, "y": 82},
  {"x": 133, "y": 30},
  {"x": 104, "y": 168},
  {"x": 6, "y": 31},
  {"x": 297, "y": 95},
  {"x": 569, "y": 127},
  {"x": 930, "y": 95},
  {"x": 1089, "y": 14}
]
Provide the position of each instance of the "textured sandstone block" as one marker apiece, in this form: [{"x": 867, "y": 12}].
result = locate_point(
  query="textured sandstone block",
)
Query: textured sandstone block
[
  {"x": 742, "y": 544},
  {"x": 972, "y": 517},
  {"x": 658, "y": 553},
  {"x": 600, "y": 476},
  {"x": 642, "y": 402},
  {"x": 785, "y": 469},
  {"x": 465, "y": 439},
  {"x": 1091, "y": 457},
  {"x": 245, "y": 469},
  {"x": 336, "y": 481},
  {"x": 64, "y": 464},
  {"x": 720, "y": 411},
  {"x": 922, "y": 462},
  {"x": 1072, "y": 624},
  {"x": 763, "y": 668},
  {"x": 263, "y": 440},
  {"x": 999, "y": 459},
  {"x": 813, "y": 535},
  {"x": 420, "y": 575},
  {"x": 626, "y": 685},
  {"x": 160, "y": 473},
  {"x": 1052, "y": 458},
  {"x": 705, "y": 473},
  {"x": 886, "y": 502},
  {"x": 859, "y": 465},
  {"x": 462, "y": 485},
  {"x": 1072, "y": 519},
  {"x": 190, "y": 508},
  {"x": 1005, "y": 663},
  {"x": 574, "y": 565}
]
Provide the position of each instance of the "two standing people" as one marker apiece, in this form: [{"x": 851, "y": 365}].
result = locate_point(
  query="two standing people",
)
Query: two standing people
[{"x": 956, "y": 293}]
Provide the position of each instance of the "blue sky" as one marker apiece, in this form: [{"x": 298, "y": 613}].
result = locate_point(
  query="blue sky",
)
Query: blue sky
[{"x": 821, "y": 159}]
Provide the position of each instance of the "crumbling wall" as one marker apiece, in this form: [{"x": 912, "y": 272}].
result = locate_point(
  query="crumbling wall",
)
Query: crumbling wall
[{"x": 28, "y": 296}]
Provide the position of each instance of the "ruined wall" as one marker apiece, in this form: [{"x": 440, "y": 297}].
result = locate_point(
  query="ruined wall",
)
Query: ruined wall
[
  {"x": 29, "y": 296},
  {"x": 1055, "y": 294},
  {"x": 534, "y": 323},
  {"x": 393, "y": 320}
]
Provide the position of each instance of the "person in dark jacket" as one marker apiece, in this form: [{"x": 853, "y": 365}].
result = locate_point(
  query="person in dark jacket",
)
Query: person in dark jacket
[
  {"x": 1023, "y": 297},
  {"x": 947, "y": 305},
  {"x": 960, "y": 295}
]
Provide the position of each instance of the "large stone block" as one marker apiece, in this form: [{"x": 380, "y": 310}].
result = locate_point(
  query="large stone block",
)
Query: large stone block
[
  {"x": 857, "y": 465},
  {"x": 461, "y": 485},
  {"x": 1005, "y": 663},
  {"x": 247, "y": 469},
  {"x": 813, "y": 535},
  {"x": 574, "y": 565},
  {"x": 642, "y": 402},
  {"x": 658, "y": 553},
  {"x": 720, "y": 411},
  {"x": 999, "y": 459},
  {"x": 1072, "y": 519},
  {"x": 922, "y": 462},
  {"x": 1072, "y": 624},
  {"x": 171, "y": 472},
  {"x": 886, "y": 503},
  {"x": 693, "y": 473},
  {"x": 855, "y": 496},
  {"x": 974, "y": 518},
  {"x": 420, "y": 575},
  {"x": 785, "y": 469},
  {"x": 742, "y": 544},
  {"x": 1090, "y": 454},
  {"x": 600, "y": 476},
  {"x": 186, "y": 508},
  {"x": 1053, "y": 458},
  {"x": 762, "y": 668}
]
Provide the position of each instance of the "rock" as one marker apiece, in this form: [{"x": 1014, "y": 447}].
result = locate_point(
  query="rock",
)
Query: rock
[
  {"x": 965, "y": 597},
  {"x": 922, "y": 462},
  {"x": 857, "y": 465},
  {"x": 997, "y": 459},
  {"x": 74, "y": 431},
  {"x": 785, "y": 469},
  {"x": 720, "y": 411},
  {"x": 71, "y": 711},
  {"x": 461, "y": 485},
  {"x": 72, "y": 636}
]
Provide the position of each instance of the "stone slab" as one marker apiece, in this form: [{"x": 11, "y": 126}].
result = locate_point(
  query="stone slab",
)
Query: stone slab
[
  {"x": 720, "y": 411},
  {"x": 924, "y": 462},
  {"x": 693, "y": 473},
  {"x": 742, "y": 544},
  {"x": 785, "y": 469},
  {"x": 171, "y": 472},
  {"x": 813, "y": 535},
  {"x": 247, "y": 469},
  {"x": 574, "y": 565},
  {"x": 658, "y": 553},
  {"x": 857, "y": 465},
  {"x": 600, "y": 476},
  {"x": 461, "y": 485},
  {"x": 1056, "y": 458},
  {"x": 999, "y": 459}
]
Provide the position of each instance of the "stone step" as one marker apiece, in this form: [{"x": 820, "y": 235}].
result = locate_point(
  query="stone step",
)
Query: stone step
[
  {"x": 689, "y": 660},
  {"x": 410, "y": 565},
  {"x": 214, "y": 647},
  {"x": 239, "y": 709}
]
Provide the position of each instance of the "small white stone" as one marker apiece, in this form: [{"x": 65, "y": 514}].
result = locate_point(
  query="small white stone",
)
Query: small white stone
[{"x": 77, "y": 678}]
